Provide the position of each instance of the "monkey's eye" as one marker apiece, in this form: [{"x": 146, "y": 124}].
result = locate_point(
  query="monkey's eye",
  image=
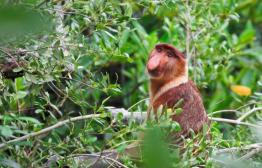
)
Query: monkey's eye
[
  {"x": 170, "y": 54},
  {"x": 158, "y": 49}
]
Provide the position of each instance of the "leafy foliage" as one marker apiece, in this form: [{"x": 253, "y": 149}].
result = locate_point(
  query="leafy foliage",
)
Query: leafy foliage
[{"x": 60, "y": 59}]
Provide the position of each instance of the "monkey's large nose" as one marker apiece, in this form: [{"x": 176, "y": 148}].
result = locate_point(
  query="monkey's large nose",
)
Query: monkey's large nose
[{"x": 153, "y": 63}]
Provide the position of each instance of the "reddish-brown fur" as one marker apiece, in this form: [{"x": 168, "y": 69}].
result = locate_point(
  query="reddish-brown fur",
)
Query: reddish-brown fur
[
  {"x": 171, "y": 69},
  {"x": 193, "y": 115}
]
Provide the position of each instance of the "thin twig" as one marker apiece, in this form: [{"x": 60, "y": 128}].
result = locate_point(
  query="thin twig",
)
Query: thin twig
[
  {"x": 233, "y": 149},
  {"x": 134, "y": 88},
  {"x": 49, "y": 129},
  {"x": 138, "y": 116},
  {"x": 188, "y": 38},
  {"x": 252, "y": 153},
  {"x": 248, "y": 105},
  {"x": 103, "y": 157},
  {"x": 223, "y": 111},
  {"x": 234, "y": 122},
  {"x": 60, "y": 28},
  {"x": 6, "y": 53},
  {"x": 249, "y": 113},
  {"x": 141, "y": 116},
  {"x": 137, "y": 103},
  {"x": 66, "y": 12},
  {"x": 10, "y": 55}
]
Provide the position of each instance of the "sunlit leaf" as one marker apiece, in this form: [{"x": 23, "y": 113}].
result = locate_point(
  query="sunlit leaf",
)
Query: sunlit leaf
[
  {"x": 6, "y": 131},
  {"x": 29, "y": 119},
  {"x": 21, "y": 94},
  {"x": 241, "y": 90}
]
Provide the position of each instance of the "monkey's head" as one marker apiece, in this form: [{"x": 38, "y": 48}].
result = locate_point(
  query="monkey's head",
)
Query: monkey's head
[{"x": 165, "y": 62}]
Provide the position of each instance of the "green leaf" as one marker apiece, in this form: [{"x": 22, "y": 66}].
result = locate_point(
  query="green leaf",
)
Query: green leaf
[
  {"x": 18, "y": 69},
  {"x": 178, "y": 111},
  {"x": 19, "y": 83},
  {"x": 124, "y": 38},
  {"x": 37, "y": 111},
  {"x": 32, "y": 78},
  {"x": 9, "y": 163},
  {"x": 110, "y": 35},
  {"x": 106, "y": 40},
  {"x": 175, "y": 127},
  {"x": 248, "y": 34},
  {"x": 92, "y": 139},
  {"x": 48, "y": 78},
  {"x": 21, "y": 94},
  {"x": 6, "y": 131},
  {"x": 121, "y": 148},
  {"x": 29, "y": 119}
]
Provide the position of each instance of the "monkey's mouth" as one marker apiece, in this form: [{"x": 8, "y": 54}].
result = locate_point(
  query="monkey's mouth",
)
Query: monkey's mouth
[{"x": 154, "y": 73}]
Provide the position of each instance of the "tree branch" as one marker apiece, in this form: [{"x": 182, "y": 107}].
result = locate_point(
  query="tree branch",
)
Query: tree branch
[
  {"x": 141, "y": 116},
  {"x": 234, "y": 122},
  {"x": 48, "y": 129},
  {"x": 249, "y": 113},
  {"x": 255, "y": 149},
  {"x": 233, "y": 149},
  {"x": 103, "y": 157},
  {"x": 223, "y": 111},
  {"x": 138, "y": 117},
  {"x": 188, "y": 31},
  {"x": 252, "y": 153}
]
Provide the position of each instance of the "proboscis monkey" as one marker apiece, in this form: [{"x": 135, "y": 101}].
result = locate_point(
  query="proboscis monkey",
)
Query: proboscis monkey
[{"x": 169, "y": 83}]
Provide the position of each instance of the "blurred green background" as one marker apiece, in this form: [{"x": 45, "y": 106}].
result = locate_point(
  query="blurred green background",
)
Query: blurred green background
[{"x": 64, "y": 58}]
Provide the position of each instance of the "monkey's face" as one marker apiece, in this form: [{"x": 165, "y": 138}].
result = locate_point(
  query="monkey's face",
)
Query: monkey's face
[{"x": 165, "y": 62}]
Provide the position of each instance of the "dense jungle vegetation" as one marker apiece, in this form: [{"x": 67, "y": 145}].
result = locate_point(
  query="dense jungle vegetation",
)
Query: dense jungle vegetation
[{"x": 65, "y": 63}]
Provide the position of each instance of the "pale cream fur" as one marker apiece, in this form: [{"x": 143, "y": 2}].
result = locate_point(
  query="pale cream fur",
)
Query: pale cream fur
[{"x": 174, "y": 83}]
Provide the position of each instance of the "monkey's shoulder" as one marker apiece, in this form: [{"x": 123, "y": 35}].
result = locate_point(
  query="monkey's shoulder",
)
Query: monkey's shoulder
[{"x": 186, "y": 92}]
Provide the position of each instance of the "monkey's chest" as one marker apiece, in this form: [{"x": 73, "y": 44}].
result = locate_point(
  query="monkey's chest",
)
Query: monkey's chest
[{"x": 193, "y": 115}]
